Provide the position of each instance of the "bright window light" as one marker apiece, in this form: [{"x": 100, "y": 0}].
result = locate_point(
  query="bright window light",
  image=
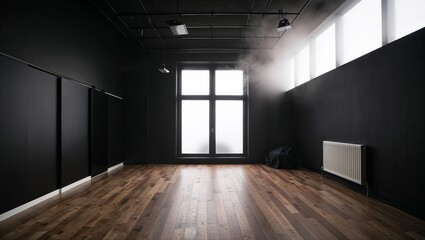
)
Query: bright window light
[
  {"x": 288, "y": 73},
  {"x": 362, "y": 29},
  {"x": 195, "y": 126},
  {"x": 229, "y": 82},
  {"x": 302, "y": 65},
  {"x": 291, "y": 72},
  {"x": 229, "y": 126},
  {"x": 195, "y": 82},
  {"x": 325, "y": 51},
  {"x": 408, "y": 16}
]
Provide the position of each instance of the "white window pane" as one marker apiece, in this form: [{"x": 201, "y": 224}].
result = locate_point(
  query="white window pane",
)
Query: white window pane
[
  {"x": 195, "y": 82},
  {"x": 195, "y": 126},
  {"x": 302, "y": 66},
  {"x": 408, "y": 16},
  {"x": 292, "y": 72},
  {"x": 362, "y": 29},
  {"x": 229, "y": 82},
  {"x": 229, "y": 126},
  {"x": 325, "y": 51},
  {"x": 289, "y": 74}
]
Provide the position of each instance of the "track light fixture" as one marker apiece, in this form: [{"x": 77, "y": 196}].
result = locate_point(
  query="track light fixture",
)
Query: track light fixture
[
  {"x": 163, "y": 69},
  {"x": 177, "y": 28},
  {"x": 284, "y": 23}
]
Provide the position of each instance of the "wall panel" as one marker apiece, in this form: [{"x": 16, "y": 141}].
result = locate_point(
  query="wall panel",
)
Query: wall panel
[
  {"x": 28, "y": 127},
  {"x": 99, "y": 133},
  {"x": 115, "y": 131},
  {"x": 75, "y": 132},
  {"x": 42, "y": 136}
]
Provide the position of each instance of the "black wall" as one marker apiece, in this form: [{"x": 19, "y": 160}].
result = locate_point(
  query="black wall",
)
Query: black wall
[
  {"x": 377, "y": 100},
  {"x": 137, "y": 73},
  {"x": 70, "y": 37},
  {"x": 28, "y": 128},
  {"x": 150, "y": 108},
  {"x": 54, "y": 132},
  {"x": 75, "y": 132},
  {"x": 39, "y": 152}
]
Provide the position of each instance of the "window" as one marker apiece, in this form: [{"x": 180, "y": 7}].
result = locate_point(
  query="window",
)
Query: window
[
  {"x": 229, "y": 82},
  {"x": 354, "y": 34},
  {"x": 362, "y": 29},
  {"x": 195, "y": 82},
  {"x": 302, "y": 65},
  {"x": 408, "y": 16},
  {"x": 212, "y": 107},
  {"x": 291, "y": 72},
  {"x": 325, "y": 58},
  {"x": 288, "y": 74}
]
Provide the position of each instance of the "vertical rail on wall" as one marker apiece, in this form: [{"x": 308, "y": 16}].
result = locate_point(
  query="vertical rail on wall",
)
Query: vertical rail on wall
[
  {"x": 59, "y": 133},
  {"x": 90, "y": 130}
]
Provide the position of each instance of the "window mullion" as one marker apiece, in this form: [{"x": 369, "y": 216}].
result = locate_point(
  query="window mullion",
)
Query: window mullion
[{"x": 212, "y": 111}]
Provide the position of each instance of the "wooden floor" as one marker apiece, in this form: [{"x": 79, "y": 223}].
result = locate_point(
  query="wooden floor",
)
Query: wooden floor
[{"x": 211, "y": 202}]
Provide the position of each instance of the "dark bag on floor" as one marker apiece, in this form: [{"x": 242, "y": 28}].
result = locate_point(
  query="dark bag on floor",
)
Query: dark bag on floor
[{"x": 281, "y": 158}]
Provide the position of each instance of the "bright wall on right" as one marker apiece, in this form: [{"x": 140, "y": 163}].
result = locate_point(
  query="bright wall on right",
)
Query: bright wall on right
[{"x": 351, "y": 32}]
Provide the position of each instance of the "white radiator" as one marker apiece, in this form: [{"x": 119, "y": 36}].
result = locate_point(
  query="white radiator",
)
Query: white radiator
[{"x": 345, "y": 160}]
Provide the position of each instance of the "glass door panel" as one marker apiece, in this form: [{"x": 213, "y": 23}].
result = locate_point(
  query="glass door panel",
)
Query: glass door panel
[
  {"x": 195, "y": 125},
  {"x": 229, "y": 126}
]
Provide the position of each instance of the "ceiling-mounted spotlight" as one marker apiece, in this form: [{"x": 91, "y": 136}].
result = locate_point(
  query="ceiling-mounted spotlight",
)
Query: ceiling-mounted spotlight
[
  {"x": 163, "y": 69},
  {"x": 177, "y": 28},
  {"x": 284, "y": 23}
]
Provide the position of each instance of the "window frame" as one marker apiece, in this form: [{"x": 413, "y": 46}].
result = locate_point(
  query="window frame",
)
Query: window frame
[{"x": 211, "y": 97}]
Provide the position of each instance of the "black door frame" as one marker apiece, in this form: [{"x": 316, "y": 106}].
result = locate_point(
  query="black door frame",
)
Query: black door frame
[{"x": 211, "y": 157}]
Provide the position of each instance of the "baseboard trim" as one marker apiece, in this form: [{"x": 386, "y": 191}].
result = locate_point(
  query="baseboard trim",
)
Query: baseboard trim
[
  {"x": 27, "y": 205},
  {"x": 72, "y": 185},
  {"x": 59, "y": 191},
  {"x": 115, "y": 167}
]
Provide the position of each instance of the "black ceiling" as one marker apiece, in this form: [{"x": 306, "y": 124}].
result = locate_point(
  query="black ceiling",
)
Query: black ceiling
[{"x": 214, "y": 24}]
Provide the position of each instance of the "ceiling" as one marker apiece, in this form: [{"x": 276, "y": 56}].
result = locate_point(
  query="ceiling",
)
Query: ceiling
[{"x": 214, "y": 24}]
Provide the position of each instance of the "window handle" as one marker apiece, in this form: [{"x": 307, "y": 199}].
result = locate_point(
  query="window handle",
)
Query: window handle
[{"x": 212, "y": 129}]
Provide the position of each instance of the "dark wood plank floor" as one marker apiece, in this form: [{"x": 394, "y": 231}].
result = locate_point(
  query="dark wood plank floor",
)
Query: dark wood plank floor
[{"x": 211, "y": 202}]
